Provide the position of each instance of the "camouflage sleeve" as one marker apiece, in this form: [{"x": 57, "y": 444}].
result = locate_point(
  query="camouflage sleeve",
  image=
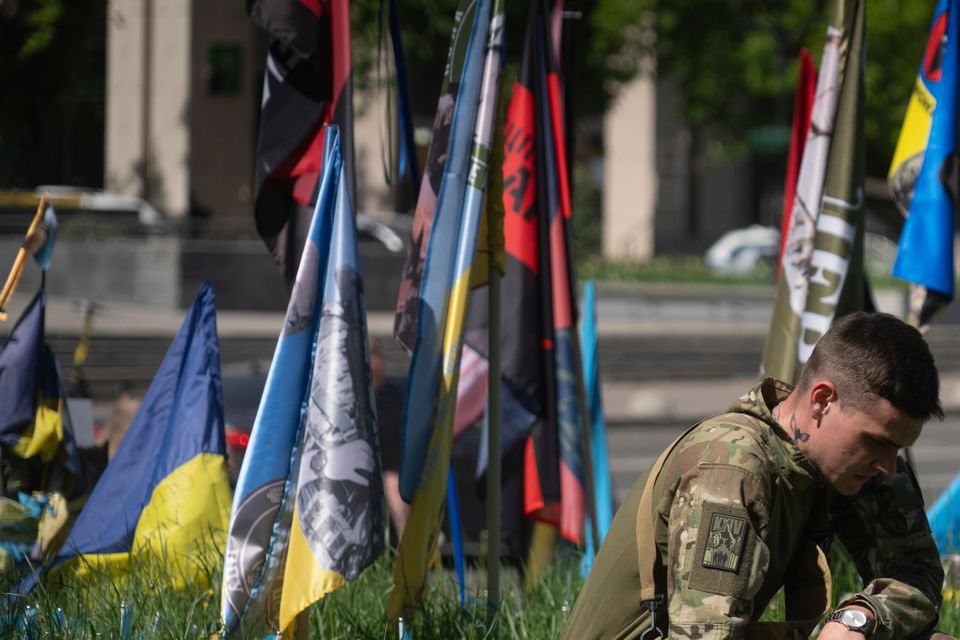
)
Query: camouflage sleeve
[
  {"x": 717, "y": 556},
  {"x": 885, "y": 529}
]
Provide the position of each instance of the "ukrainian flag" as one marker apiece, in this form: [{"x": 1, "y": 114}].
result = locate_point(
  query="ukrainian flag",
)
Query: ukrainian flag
[
  {"x": 32, "y": 408},
  {"x": 165, "y": 492}
]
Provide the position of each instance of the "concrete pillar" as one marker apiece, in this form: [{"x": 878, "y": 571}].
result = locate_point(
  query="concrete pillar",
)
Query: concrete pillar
[
  {"x": 169, "y": 128},
  {"x": 372, "y": 139},
  {"x": 630, "y": 175},
  {"x": 125, "y": 92},
  {"x": 148, "y": 95}
]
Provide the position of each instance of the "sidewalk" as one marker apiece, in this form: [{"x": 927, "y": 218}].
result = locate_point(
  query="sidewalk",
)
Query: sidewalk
[{"x": 660, "y": 400}]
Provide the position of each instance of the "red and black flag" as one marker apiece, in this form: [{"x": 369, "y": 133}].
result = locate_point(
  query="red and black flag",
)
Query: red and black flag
[
  {"x": 307, "y": 84},
  {"x": 540, "y": 414}
]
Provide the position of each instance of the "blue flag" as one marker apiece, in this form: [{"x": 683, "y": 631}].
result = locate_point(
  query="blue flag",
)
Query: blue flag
[
  {"x": 308, "y": 508},
  {"x": 920, "y": 170},
  {"x": 20, "y": 371},
  {"x": 603, "y": 495},
  {"x": 944, "y": 517},
  {"x": 44, "y": 253}
]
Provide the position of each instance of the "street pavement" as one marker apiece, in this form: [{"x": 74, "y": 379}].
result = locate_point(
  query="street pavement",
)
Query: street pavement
[{"x": 644, "y": 413}]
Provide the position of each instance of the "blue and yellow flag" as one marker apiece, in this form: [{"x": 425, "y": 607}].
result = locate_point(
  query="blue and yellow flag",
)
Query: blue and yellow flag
[
  {"x": 308, "y": 508},
  {"x": 442, "y": 297},
  {"x": 33, "y": 419},
  {"x": 921, "y": 168},
  {"x": 165, "y": 492}
]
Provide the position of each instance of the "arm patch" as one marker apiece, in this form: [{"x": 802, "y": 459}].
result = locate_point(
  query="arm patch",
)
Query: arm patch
[{"x": 723, "y": 539}]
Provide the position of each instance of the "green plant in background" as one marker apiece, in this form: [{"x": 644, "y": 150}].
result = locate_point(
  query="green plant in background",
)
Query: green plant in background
[{"x": 587, "y": 215}]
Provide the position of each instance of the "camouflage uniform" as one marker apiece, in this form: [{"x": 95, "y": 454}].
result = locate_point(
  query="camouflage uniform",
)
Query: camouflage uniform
[{"x": 734, "y": 504}]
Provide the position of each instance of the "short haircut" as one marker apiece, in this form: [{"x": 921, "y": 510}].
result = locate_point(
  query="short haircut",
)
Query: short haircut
[{"x": 871, "y": 355}]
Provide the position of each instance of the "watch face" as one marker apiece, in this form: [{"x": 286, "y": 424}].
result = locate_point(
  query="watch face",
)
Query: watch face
[{"x": 854, "y": 619}]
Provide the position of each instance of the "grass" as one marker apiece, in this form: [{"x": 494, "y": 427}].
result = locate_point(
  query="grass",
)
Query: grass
[
  {"x": 693, "y": 270},
  {"x": 141, "y": 603},
  {"x": 667, "y": 269}
]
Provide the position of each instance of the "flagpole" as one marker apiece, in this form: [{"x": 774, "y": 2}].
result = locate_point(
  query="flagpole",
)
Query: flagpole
[
  {"x": 17, "y": 269},
  {"x": 493, "y": 438}
]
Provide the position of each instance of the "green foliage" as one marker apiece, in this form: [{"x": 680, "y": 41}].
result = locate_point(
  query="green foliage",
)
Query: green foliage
[
  {"x": 587, "y": 224},
  {"x": 42, "y": 21},
  {"x": 426, "y": 26},
  {"x": 734, "y": 61},
  {"x": 53, "y": 55}
]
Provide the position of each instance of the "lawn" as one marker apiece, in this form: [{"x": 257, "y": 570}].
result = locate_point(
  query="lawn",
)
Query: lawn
[{"x": 142, "y": 604}]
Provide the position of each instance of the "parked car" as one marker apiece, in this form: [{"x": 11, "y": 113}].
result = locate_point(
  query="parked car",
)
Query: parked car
[{"x": 744, "y": 249}]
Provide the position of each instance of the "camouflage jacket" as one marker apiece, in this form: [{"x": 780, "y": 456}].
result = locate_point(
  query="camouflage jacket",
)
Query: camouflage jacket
[{"x": 734, "y": 502}]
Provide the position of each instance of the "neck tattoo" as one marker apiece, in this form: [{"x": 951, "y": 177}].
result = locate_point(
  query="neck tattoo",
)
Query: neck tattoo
[{"x": 798, "y": 436}]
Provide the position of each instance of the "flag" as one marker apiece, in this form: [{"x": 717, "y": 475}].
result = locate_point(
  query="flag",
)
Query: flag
[
  {"x": 308, "y": 507},
  {"x": 46, "y": 237},
  {"x": 460, "y": 74},
  {"x": 923, "y": 166},
  {"x": 38, "y": 242},
  {"x": 33, "y": 412},
  {"x": 822, "y": 268},
  {"x": 603, "y": 495},
  {"x": 165, "y": 492},
  {"x": 307, "y": 84},
  {"x": 537, "y": 212},
  {"x": 441, "y": 300},
  {"x": 802, "y": 108},
  {"x": 944, "y": 517},
  {"x": 540, "y": 406}
]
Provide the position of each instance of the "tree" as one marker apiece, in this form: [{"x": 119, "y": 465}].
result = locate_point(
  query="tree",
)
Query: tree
[
  {"x": 734, "y": 61},
  {"x": 51, "y": 115}
]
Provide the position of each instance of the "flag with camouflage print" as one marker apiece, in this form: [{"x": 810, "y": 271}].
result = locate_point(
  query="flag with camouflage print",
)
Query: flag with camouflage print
[
  {"x": 308, "y": 509},
  {"x": 444, "y": 292},
  {"x": 922, "y": 174},
  {"x": 822, "y": 266}
]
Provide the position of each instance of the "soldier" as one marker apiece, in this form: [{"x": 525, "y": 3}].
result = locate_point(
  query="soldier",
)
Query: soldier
[{"x": 747, "y": 502}]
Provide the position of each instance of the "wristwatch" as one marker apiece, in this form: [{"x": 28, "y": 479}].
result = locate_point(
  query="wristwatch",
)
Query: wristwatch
[{"x": 852, "y": 619}]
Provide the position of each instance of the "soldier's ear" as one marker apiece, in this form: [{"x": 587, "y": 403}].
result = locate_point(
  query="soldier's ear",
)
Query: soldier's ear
[{"x": 821, "y": 394}]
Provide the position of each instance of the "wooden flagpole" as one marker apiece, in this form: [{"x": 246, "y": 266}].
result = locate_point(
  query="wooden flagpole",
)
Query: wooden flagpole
[{"x": 18, "y": 263}]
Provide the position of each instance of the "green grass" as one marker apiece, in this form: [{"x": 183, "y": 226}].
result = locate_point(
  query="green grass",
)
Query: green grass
[
  {"x": 154, "y": 609},
  {"x": 668, "y": 269},
  {"x": 693, "y": 270}
]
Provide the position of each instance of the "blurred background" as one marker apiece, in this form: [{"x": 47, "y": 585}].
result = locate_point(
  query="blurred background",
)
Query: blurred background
[{"x": 138, "y": 120}]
